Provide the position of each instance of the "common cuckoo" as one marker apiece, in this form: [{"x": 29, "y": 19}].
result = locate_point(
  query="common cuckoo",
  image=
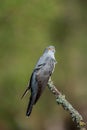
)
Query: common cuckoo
[{"x": 40, "y": 76}]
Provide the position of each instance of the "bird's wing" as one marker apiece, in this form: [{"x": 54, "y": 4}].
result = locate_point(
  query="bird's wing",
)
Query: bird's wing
[
  {"x": 40, "y": 62},
  {"x": 39, "y": 66},
  {"x": 28, "y": 87},
  {"x": 43, "y": 75}
]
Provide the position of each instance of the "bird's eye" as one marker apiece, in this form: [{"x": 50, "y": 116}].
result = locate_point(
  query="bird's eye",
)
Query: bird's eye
[{"x": 49, "y": 48}]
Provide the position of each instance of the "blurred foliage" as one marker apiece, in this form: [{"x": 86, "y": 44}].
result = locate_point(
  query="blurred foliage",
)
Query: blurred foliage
[{"x": 26, "y": 28}]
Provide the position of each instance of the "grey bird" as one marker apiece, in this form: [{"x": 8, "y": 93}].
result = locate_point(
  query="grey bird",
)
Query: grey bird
[{"x": 40, "y": 76}]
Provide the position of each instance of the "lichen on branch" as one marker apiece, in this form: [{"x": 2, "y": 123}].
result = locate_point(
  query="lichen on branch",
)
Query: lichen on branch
[{"x": 61, "y": 100}]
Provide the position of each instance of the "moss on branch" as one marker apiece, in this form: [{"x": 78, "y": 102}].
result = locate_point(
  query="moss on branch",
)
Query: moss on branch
[{"x": 61, "y": 100}]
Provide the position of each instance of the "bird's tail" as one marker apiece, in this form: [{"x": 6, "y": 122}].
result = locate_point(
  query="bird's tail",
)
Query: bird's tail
[{"x": 30, "y": 105}]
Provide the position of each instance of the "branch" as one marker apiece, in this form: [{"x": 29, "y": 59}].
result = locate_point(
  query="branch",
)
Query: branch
[{"x": 60, "y": 99}]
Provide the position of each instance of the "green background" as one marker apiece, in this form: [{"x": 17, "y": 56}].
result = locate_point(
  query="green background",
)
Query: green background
[{"x": 26, "y": 28}]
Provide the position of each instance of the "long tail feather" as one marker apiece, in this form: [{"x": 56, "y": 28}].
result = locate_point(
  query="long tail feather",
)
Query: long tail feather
[{"x": 30, "y": 106}]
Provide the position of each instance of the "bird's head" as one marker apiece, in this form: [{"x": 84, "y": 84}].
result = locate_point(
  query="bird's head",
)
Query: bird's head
[{"x": 50, "y": 49}]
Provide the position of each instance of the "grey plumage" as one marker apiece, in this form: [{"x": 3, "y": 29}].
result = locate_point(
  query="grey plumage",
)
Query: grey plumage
[{"x": 40, "y": 76}]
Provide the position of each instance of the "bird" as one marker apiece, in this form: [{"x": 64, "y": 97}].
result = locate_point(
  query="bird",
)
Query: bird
[{"x": 40, "y": 77}]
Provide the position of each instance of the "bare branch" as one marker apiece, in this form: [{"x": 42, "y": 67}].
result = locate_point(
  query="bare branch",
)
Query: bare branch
[{"x": 60, "y": 99}]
